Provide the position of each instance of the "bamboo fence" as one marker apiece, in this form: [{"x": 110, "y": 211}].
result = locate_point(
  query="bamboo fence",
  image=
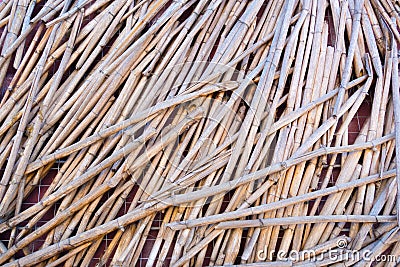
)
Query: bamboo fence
[{"x": 199, "y": 133}]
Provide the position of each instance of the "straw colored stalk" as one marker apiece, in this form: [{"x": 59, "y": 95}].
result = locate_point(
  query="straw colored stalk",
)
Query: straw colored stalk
[
  {"x": 306, "y": 219},
  {"x": 16, "y": 18},
  {"x": 9, "y": 195},
  {"x": 68, "y": 255},
  {"x": 197, "y": 206},
  {"x": 259, "y": 101},
  {"x": 313, "y": 167},
  {"x": 350, "y": 54},
  {"x": 97, "y": 169},
  {"x": 308, "y": 129},
  {"x": 152, "y": 38},
  {"x": 38, "y": 120},
  {"x": 287, "y": 61},
  {"x": 348, "y": 199},
  {"x": 293, "y": 101},
  {"x": 210, "y": 128},
  {"x": 132, "y": 205},
  {"x": 381, "y": 200},
  {"x": 101, "y": 189},
  {"x": 396, "y": 110},
  {"x": 148, "y": 209},
  {"x": 377, "y": 247},
  {"x": 312, "y": 138},
  {"x": 339, "y": 135},
  {"x": 330, "y": 205},
  {"x": 387, "y": 19},
  {"x": 5, "y": 7},
  {"x": 369, "y": 162},
  {"x": 22, "y": 88},
  {"x": 294, "y": 88},
  {"x": 276, "y": 205},
  {"x": 107, "y": 23},
  {"x": 25, "y": 25},
  {"x": 126, "y": 123},
  {"x": 183, "y": 237},
  {"x": 210, "y": 211},
  {"x": 80, "y": 109}
]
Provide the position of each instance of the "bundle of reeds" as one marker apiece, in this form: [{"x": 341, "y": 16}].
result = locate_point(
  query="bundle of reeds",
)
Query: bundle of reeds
[{"x": 192, "y": 133}]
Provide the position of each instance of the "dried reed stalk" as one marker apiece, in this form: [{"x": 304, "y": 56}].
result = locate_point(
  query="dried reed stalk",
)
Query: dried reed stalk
[{"x": 220, "y": 128}]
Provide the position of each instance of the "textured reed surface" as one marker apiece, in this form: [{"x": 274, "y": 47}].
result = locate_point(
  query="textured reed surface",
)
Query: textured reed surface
[{"x": 190, "y": 133}]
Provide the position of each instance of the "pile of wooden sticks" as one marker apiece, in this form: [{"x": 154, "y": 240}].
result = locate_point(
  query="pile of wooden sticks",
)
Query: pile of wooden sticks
[{"x": 227, "y": 120}]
